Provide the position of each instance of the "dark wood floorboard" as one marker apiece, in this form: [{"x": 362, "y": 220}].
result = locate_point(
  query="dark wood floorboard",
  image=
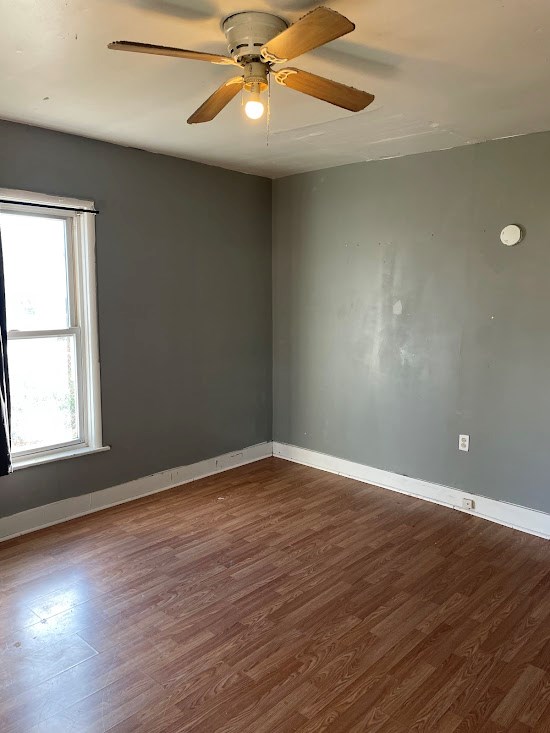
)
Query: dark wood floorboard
[{"x": 275, "y": 597}]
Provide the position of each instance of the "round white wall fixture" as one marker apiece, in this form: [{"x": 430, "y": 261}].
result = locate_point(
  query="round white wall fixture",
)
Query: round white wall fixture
[{"x": 510, "y": 235}]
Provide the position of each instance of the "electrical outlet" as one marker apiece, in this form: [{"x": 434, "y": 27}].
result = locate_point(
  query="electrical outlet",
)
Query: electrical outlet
[
  {"x": 464, "y": 442},
  {"x": 468, "y": 504}
]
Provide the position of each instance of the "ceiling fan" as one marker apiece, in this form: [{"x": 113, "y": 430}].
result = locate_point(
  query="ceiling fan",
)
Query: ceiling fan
[{"x": 258, "y": 41}]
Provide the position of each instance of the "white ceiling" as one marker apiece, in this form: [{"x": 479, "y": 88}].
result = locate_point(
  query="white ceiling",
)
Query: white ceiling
[{"x": 444, "y": 72}]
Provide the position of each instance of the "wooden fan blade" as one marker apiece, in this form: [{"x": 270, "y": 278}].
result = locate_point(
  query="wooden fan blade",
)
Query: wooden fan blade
[
  {"x": 180, "y": 53},
  {"x": 214, "y": 104},
  {"x": 313, "y": 30},
  {"x": 328, "y": 91}
]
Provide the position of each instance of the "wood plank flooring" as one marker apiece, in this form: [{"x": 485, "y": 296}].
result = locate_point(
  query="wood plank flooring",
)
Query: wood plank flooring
[{"x": 275, "y": 598}]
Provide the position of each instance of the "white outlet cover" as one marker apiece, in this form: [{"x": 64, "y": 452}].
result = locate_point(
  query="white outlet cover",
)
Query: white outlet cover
[{"x": 464, "y": 443}]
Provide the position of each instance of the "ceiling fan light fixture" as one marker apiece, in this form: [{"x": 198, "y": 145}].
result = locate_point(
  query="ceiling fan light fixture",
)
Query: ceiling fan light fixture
[{"x": 254, "y": 107}]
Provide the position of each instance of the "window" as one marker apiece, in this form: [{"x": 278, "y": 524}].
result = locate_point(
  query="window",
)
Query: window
[{"x": 49, "y": 272}]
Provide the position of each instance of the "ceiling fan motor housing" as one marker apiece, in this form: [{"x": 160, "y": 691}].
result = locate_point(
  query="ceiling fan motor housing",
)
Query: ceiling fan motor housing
[{"x": 247, "y": 32}]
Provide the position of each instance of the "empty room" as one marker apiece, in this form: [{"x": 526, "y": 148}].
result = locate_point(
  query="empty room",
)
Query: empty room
[{"x": 274, "y": 366}]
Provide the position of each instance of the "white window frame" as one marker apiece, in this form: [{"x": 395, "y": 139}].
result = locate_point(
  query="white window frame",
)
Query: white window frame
[{"x": 83, "y": 304}]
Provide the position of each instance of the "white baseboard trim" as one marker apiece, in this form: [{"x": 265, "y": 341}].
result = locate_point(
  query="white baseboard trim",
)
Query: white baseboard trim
[
  {"x": 517, "y": 517},
  {"x": 77, "y": 506},
  {"x": 510, "y": 515}
]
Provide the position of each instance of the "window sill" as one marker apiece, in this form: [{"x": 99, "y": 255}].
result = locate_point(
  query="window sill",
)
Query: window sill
[{"x": 28, "y": 461}]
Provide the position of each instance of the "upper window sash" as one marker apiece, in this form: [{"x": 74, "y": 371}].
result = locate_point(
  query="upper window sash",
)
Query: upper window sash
[{"x": 69, "y": 220}]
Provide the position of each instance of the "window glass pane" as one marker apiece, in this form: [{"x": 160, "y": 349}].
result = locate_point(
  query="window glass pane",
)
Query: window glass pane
[
  {"x": 44, "y": 396},
  {"x": 35, "y": 266}
]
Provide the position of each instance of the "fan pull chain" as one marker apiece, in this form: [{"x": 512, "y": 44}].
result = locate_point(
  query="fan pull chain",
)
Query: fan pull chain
[{"x": 268, "y": 109}]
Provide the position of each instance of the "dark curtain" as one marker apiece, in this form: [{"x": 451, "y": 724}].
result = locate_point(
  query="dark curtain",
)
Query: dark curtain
[{"x": 5, "y": 406}]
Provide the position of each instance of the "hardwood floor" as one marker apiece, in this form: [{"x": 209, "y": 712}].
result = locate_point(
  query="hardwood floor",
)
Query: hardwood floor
[{"x": 275, "y": 597}]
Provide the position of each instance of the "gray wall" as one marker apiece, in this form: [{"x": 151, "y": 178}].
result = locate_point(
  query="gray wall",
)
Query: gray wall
[
  {"x": 400, "y": 320},
  {"x": 184, "y": 298}
]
